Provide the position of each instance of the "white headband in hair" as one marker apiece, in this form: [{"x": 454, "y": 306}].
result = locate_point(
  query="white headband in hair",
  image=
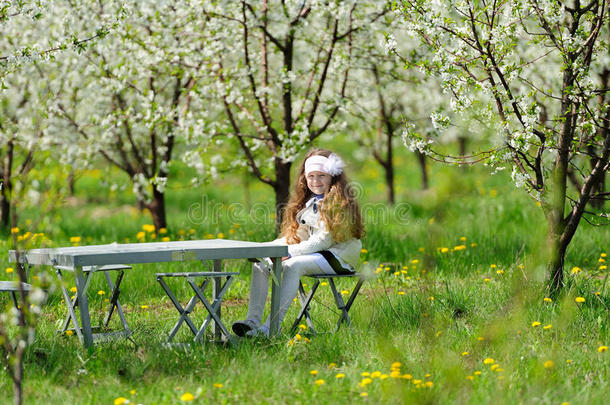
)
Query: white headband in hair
[{"x": 332, "y": 164}]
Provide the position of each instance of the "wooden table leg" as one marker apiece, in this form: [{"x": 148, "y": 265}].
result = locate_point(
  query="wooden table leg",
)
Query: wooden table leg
[
  {"x": 83, "y": 304},
  {"x": 274, "y": 327},
  {"x": 217, "y": 288}
]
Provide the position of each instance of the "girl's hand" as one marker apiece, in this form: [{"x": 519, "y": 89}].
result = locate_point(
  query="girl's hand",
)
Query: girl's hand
[{"x": 285, "y": 258}]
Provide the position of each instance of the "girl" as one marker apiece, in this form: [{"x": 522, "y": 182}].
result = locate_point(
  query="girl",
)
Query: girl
[{"x": 322, "y": 227}]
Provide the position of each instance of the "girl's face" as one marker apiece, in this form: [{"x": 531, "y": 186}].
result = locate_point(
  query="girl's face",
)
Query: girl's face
[{"x": 318, "y": 182}]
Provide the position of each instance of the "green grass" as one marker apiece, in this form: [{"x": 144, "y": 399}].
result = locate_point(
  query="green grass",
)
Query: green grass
[{"x": 439, "y": 312}]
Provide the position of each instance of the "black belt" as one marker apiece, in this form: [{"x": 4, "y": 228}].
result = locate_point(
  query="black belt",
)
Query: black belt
[{"x": 334, "y": 263}]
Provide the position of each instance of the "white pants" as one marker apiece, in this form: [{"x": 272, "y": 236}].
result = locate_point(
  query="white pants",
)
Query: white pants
[{"x": 292, "y": 270}]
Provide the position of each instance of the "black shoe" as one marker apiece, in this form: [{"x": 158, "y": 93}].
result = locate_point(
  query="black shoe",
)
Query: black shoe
[{"x": 240, "y": 328}]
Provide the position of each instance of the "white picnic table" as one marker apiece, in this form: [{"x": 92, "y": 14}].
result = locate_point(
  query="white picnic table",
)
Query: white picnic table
[{"x": 75, "y": 257}]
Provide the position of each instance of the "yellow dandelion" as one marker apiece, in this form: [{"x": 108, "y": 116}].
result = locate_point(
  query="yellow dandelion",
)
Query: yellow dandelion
[
  {"x": 323, "y": 283},
  {"x": 604, "y": 267},
  {"x": 416, "y": 382},
  {"x": 376, "y": 374},
  {"x": 332, "y": 365},
  {"x": 489, "y": 360},
  {"x": 401, "y": 293},
  {"x": 463, "y": 239},
  {"x": 144, "y": 306},
  {"x": 421, "y": 249},
  {"x": 602, "y": 349},
  {"x": 163, "y": 231},
  {"x": 536, "y": 324},
  {"x": 576, "y": 270},
  {"x": 473, "y": 245},
  {"x": 9, "y": 270},
  {"x": 477, "y": 373},
  {"x": 69, "y": 333},
  {"x": 549, "y": 364},
  {"x": 547, "y": 299},
  {"x": 101, "y": 292},
  {"x": 165, "y": 239},
  {"x": 344, "y": 292},
  {"x": 602, "y": 260},
  {"x": 493, "y": 266},
  {"x": 365, "y": 382},
  {"x": 364, "y": 251},
  {"x": 75, "y": 239},
  {"x": 191, "y": 231},
  {"x": 364, "y": 394},
  {"x": 500, "y": 272},
  {"x": 465, "y": 354},
  {"x": 469, "y": 377},
  {"x": 302, "y": 327},
  {"x": 487, "y": 280},
  {"x": 140, "y": 235},
  {"x": 132, "y": 392},
  {"x": 395, "y": 374},
  {"x": 480, "y": 338},
  {"x": 187, "y": 397},
  {"x": 407, "y": 376},
  {"x": 320, "y": 382},
  {"x": 340, "y": 375},
  {"x": 313, "y": 372},
  {"x": 121, "y": 401},
  {"x": 568, "y": 361},
  {"x": 547, "y": 327},
  {"x": 220, "y": 235},
  {"x": 396, "y": 364},
  {"x": 14, "y": 230},
  {"x": 444, "y": 250},
  {"x": 431, "y": 298},
  {"x": 494, "y": 367},
  {"x": 429, "y": 384},
  {"x": 579, "y": 300},
  {"x": 217, "y": 385},
  {"x": 603, "y": 255},
  {"x": 365, "y": 374}
]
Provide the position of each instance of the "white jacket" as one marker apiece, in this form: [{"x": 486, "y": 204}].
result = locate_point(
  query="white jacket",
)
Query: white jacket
[{"x": 315, "y": 237}]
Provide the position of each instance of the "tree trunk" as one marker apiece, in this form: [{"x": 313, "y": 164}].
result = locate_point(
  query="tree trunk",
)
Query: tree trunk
[
  {"x": 421, "y": 158},
  {"x": 556, "y": 256},
  {"x": 282, "y": 189},
  {"x": 389, "y": 180},
  {"x": 157, "y": 210},
  {"x": 71, "y": 180},
  {"x": 5, "y": 207}
]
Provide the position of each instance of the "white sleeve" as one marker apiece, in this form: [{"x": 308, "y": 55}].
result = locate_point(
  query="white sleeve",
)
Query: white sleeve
[{"x": 319, "y": 240}]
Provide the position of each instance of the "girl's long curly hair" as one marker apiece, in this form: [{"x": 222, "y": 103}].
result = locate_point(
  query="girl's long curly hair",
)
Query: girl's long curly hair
[{"x": 340, "y": 211}]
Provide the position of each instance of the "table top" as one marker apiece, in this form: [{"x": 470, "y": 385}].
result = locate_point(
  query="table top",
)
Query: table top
[{"x": 152, "y": 252}]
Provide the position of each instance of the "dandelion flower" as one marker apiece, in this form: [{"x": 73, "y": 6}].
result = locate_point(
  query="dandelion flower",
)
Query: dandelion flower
[
  {"x": 487, "y": 280},
  {"x": 217, "y": 385},
  {"x": 14, "y": 230},
  {"x": 187, "y": 397},
  {"x": 302, "y": 327},
  {"x": 547, "y": 299},
  {"x": 465, "y": 354},
  {"x": 101, "y": 292},
  {"x": 444, "y": 250},
  {"x": 469, "y": 377},
  {"x": 535, "y": 324},
  {"x": 320, "y": 382},
  {"x": 549, "y": 364},
  {"x": 493, "y": 266},
  {"x": 364, "y": 394},
  {"x": 132, "y": 392},
  {"x": 407, "y": 376},
  {"x": 376, "y": 374},
  {"x": 313, "y": 372},
  {"x": 220, "y": 235},
  {"x": 395, "y": 374},
  {"x": 401, "y": 293},
  {"x": 604, "y": 267},
  {"x": 396, "y": 364},
  {"x": 144, "y": 306},
  {"x": 602, "y": 349},
  {"x": 477, "y": 373},
  {"x": 340, "y": 375},
  {"x": 579, "y": 300},
  {"x": 332, "y": 365},
  {"x": 121, "y": 401},
  {"x": 165, "y": 239},
  {"x": 323, "y": 283},
  {"x": 69, "y": 333},
  {"x": 365, "y": 374},
  {"x": 547, "y": 327},
  {"x": 365, "y": 382},
  {"x": 480, "y": 338},
  {"x": 364, "y": 251},
  {"x": 494, "y": 367},
  {"x": 576, "y": 270},
  {"x": 75, "y": 239},
  {"x": 489, "y": 360},
  {"x": 9, "y": 270},
  {"x": 429, "y": 384}
]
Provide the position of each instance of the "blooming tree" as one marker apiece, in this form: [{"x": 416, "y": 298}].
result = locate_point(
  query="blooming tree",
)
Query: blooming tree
[
  {"x": 126, "y": 99},
  {"x": 278, "y": 73},
  {"x": 539, "y": 64}
]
